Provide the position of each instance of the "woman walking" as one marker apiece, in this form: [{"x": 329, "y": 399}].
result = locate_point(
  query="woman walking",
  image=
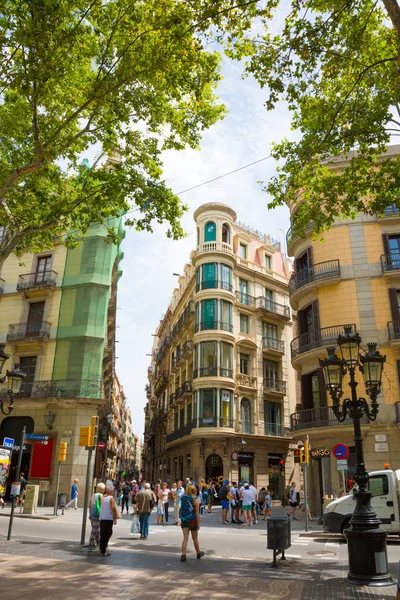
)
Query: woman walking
[
  {"x": 210, "y": 495},
  {"x": 94, "y": 516},
  {"x": 108, "y": 518},
  {"x": 190, "y": 520}
]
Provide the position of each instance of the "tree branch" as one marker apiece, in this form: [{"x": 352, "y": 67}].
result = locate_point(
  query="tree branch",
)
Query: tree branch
[{"x": 393, "y": 10}]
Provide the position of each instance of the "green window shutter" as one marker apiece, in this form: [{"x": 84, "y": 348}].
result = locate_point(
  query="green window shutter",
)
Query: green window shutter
[
  {"x": 209, "y": 276},
  {"x": 210, "y": 232},
  {"x": 209, "y": 314}
]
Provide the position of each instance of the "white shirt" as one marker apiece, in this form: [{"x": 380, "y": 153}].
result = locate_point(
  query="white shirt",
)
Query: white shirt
[
  {"x": 253, "y": 490},
  {"x": 247, "y": 496},
  {"x": 106, "y": 513},
  {"x": 164, "y": 495},
  {"x": 293, "y": 495}
]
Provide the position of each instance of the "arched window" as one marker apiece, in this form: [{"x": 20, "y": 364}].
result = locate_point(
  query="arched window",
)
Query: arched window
[
  {"x": 245, "y": 415},
  {"x": 210, "y": 232},
  {"x": 226, "y": 234}
]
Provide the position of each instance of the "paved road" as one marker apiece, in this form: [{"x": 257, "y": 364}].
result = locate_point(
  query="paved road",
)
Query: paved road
[{"x": 44, "y": 560}]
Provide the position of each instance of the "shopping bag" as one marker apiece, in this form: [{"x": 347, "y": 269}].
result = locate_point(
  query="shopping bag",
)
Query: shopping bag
[{"x": 135, "y": 528}]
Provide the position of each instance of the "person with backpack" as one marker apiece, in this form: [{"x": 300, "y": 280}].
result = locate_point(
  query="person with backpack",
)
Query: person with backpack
[
  {"x": 223, "y": 496},
  {"x": 210, "y": 495},
  {"x": 189, "y": 515},
  {"x": 94, "y": 517}
]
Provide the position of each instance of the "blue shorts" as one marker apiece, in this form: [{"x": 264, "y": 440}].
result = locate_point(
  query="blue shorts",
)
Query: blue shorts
[
  {"x": 267, "y": 506},
  {"x": 159, "y": 510},
  {"x": 225, "y": 503}
]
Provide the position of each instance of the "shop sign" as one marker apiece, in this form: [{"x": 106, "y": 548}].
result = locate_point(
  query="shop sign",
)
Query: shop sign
[
  {"x": 320, "y": 452},
  {"x": 276, "y": 456},
  {"x": 246, "y": 454}
]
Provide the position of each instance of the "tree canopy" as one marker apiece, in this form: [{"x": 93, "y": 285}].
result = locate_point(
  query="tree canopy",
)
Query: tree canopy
[
  {"x": 336, "y": 63},
  {"x": 128, "y": 78}
]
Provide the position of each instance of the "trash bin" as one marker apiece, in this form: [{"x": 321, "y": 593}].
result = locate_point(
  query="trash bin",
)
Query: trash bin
[
  {"x": 279, "y": 536},
  {"x": 61, "y": 500}
]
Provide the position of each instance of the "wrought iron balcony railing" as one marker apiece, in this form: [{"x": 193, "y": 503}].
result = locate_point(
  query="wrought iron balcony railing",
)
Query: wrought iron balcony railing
[
  {"x": 22, "y": 331},
  {"x": 319, "y": 271},
  {"x": 394, "y": 330},
  {"x": 390, "y": 262},
  {"x": 60, "y": 388},
  {"x": 245, "y": 299},
  {"x": 32, "y": 280},
  {"x": 273, "y": 307},
  {"x": 271, "y": 343},
  {"x": 214, "y": 324},
  {"x": 317, "y": 338},
  {"x": 214, "y": 284},
  {"x": 274, "y": 385},
  {"x": 318, "y": 417}
]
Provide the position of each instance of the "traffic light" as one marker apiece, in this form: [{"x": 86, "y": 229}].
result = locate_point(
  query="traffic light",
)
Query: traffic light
[
  {"x": 301, "y": 455},
  {"x": 297, "y": 455},
  {"x": 62, "y": 453},
  {"x": 85, "y": 436},
  {"x": 94, "y": 430},
  {"x": 282, "y": 465},
  {"x": 306, "y": 452}
]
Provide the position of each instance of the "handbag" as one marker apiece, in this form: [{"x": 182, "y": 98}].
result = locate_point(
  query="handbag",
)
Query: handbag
[{"x": 135, "y": 528}]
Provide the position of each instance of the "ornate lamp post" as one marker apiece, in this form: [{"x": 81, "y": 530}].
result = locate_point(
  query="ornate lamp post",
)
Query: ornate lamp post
[
  {"x": 366, "y": 541},
  {"x": 14, "y": 379}
]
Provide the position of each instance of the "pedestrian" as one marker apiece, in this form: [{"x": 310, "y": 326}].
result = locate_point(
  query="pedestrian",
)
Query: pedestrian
[
  {"x": 134, "y": 493},
  {"x": 210, "y": 495},
  {"x": 165, "y": 494},
  {"x": 247, "y": 499},
  {"x": 145, "y": 500},
  {"x": 302, "y": 504},
  {"x": 187, "y": 482},
  {"x": 293, "y": 501},
  {"x": 125, "y": 493},
  {"x": 74, "y": 495},
  {"x": 23, "y": 483},
  {"x": 204, "y": 493},
  {"x": 223, "y": 496},
  {"x": 157, "y": 488},
  {"x": 254, "y": 502},
  {"x": 94, "y": 516},
  {"x": 108, "y": 518},
  {"x": 177, "y": 501},
  {"x": 190, "y": 520},
  {"x": 233, "y": 502},
  {"x": 261, "y": 501}
]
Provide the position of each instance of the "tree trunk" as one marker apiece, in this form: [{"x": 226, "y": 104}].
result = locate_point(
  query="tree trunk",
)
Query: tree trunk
[{"x": 393, "y": 10}]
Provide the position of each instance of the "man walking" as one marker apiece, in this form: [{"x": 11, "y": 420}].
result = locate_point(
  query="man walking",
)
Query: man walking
[
  {"x": 223, "y": 496},
  {"x": 74, "y": 495},
  {"x": 23, "y": 482},
  {"x": 178, "y": 493},
  {"x": 293, "y": 501},
  {"x": 145, "y": 501}
]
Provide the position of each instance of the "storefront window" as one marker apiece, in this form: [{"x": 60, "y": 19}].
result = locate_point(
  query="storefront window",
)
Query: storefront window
[
  {"x": 208, "y": 407},
  {"x": 246, "y": 466}
]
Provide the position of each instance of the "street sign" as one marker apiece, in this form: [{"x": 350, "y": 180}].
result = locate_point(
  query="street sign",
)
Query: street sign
[
  {"x": 340, "y": 451},
  {"x": 15, "y": 488},
  {"x": 101, "y": 445},
  {"x": 342, "y": 465},
  {"x": 37, "y": 437},
  {"x": 8, "y": 442}
]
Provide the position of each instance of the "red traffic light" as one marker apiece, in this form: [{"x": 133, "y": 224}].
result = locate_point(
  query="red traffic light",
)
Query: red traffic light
[
  {"x": 296, "y": 453},
  {"x": 282, "y": 462}
]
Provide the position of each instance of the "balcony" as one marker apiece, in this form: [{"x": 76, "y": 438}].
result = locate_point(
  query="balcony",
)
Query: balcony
[
  {"x": 180, "y": 433},
  {"x": 318, "y": 417},
  {"x": 150, "y": 373},
  {"x": 318, "y": 338},
  {"x": 37, "y": 280},
  {"x": 390, "y": 262},
  {"x": 214, "y": 247},
  {"x": 292, "y": 234},
  {"x": 171, "y": 399},
  {"x": 391, "y": 212},
  {"x": 273, "y": 308},
  {"x": 207, "y": 325},
  {"x": 214, "y": 284},
  {"x": 161, "y": 382},
  {"x": 245, "y": 299},
  {"x": 320, "y": 272},
  {"x": 24, "y": 331},
  {"x": 246, "y": 381},
  {"x": 226, "y": 373},
  {"x": 226, "y": 422},
  {"x": 205, "y": 372},
  {"x": 180, "y": 361},
  {"x": 174, "y": 366},
  {"x": 276, "y": 386},
  {"x": 274, "y": 345},
  {"x": 60, "y": 388},
  {"x": 394, "y": 331},
  {"x": 187, "y": 349},
  {"x": 148, "y": 391}
]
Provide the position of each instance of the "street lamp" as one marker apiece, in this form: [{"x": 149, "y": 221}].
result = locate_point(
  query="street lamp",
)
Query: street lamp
[
  {"x": 14, "y": 379},
  {"x": 366, "y": 541}
]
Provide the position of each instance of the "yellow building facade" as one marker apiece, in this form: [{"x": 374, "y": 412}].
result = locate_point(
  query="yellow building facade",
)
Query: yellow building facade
[{"x": 350, "y": 278}]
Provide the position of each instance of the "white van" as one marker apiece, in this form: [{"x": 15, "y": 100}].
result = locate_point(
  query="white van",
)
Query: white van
[{"x": 385, "y": 489}]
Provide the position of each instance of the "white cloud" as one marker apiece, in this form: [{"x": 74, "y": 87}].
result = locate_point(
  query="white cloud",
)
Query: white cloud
[{"x": 146, "y": 286}]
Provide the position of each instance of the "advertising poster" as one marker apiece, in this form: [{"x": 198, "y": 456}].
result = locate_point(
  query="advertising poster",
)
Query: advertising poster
[{"x": 5, "y": 461}]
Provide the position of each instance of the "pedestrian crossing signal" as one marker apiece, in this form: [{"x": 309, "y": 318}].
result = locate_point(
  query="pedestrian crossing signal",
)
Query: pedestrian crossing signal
[{"x": 297, "y": 455}]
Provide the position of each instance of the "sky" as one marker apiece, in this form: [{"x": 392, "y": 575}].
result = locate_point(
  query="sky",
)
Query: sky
[{"x": 146, "y": 287}]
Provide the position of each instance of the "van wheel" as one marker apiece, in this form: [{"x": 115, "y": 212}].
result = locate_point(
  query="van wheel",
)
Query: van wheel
[{"x": 345, "y": 525}]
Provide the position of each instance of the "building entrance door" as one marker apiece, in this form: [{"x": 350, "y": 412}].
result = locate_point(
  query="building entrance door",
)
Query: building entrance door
[{"x": 214, "y": 467}]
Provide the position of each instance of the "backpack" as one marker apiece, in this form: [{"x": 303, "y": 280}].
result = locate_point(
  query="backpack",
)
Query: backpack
[{"x": 186, "y": 511}]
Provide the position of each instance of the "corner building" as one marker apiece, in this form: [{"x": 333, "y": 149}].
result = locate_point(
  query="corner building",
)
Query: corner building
[
  {"x": 352, "y": 278},
  {"x": 230, "y": 387}
]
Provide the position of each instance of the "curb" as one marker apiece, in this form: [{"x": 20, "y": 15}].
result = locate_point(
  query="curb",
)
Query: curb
[{"x": 34, "y": 517}]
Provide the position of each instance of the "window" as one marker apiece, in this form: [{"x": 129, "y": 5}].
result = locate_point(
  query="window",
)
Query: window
[
  {"x": 378, "y": 485},
  {"x": 242, "y": 250},
  {"x": 209, "y": 276},
  {"x": 244, "y": 291},
  {"x": 209, "y": 314},
  {"x": 244, "y": 323},
  {"x": 226, "y": 278},
  {"x": 269, "y": 299},
  {"x": 272, "y": 418},
  {"x": 28, "y": 366},
  {"x": 226, "y": 234},
  {"x": 35, "y": 319},
  {"x": 226, "y": 316},
  {"x": 176, "y": 421},
  {"x": 315, "y": 390},
  {"x": 313, "y": 395},
  {"x": 189, "y": 412},
  {"x": 207, "y": 407},
  {"x": 245, "y": 364},
  {"x": 210, "y": 232},
  {"x": 245, "y": 415},
  {"x": 208, "y": 359},
  {"x": 226, "y": 409},
  {"x": 226, "y": 359},
  {"x": 267, "y": 261},
  {"x": 271, "y": 371},
  {"x": 43, "y": 269},
  {"x": 270, "y": 330},
  {"x": 181, "y": 418}
]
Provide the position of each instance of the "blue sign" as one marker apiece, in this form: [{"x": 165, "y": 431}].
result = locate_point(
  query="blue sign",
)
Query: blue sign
[
  {"x": 35, "y": 436},
  {"x": 8, "y": 442},
  {"x": 341, "y": 451}
]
